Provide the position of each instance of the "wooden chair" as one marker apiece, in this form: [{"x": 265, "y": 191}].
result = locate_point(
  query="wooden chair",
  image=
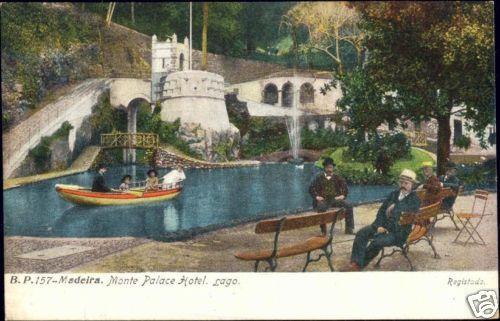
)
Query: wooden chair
[
  {"x": 465, "y": 218},
  {"x": 423, "y": 224},
  {"x": 448, "y": 212},
  {"x": 321, "y": 242}
]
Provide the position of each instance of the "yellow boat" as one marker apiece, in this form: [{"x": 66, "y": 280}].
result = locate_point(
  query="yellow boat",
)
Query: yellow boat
[{"x": 84, "y": 196}]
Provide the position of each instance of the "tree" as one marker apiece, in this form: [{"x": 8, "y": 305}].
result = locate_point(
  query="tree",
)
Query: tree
[
  {"x": 132, "y": 13},
  {"x": 204, "y": 36},
  {"x": 329, "y": 25},
  {"x": 109, "y": 15},
  {"x": 431, "y": 57}
]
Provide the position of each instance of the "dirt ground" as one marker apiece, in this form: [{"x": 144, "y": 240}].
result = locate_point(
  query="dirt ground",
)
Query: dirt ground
[{"x": 214, "y": 251}]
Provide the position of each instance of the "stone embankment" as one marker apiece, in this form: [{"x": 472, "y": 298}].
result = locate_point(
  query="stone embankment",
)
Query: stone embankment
[{"x": 165, "y": 157}]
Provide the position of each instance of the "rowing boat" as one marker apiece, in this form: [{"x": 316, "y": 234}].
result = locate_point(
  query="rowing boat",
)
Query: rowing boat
[{"x": 84, "y": 196}]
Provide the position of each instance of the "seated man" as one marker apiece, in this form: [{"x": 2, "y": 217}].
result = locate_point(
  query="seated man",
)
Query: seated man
[
  {"x": 330, "y": 190},
  {"x": 385, "y": 230},
  {"x": 450, "y": 180},
  {"x": 98, "y": 185},
  {"x": 432, "y": 186},
  {"x": 173, "y": 177}
]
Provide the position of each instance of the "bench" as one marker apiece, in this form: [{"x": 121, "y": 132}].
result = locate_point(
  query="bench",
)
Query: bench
[
  {"x": 320, "y": 242},
  {"x": 448, "y": 212},
  {"x": 423, "y": 224}
]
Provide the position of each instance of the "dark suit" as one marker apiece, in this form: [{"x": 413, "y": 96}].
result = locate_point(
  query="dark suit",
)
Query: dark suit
[
  {"x": 396, "y": 234},
  {"x": 454, "y": 183},
  {"x": 329, "y": 189},
  {"x": 98, "y": 185}
]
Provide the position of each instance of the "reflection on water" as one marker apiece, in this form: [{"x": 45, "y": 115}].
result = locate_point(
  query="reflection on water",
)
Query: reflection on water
[{"x": 210, "y": 199}]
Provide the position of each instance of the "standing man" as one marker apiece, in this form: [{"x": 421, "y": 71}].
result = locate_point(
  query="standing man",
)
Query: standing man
[
  {"x": 330, "y": 190},
  {"x": 174, "y": 177},
  {"x": 99, "y": 185},
  {"x": 385, "y": 230},
  {"x": 432, "y": 185},
  {"x": 450, "y": 180}
]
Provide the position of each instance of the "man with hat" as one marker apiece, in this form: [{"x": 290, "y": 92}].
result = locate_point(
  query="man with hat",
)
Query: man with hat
[
  {"x": 330, "y": 190},
  {"x": 450, "y": 180},
  {"x": 432, "y": 185},
  {"x": 98, "y": 185},
  {"x": 385, "y": 230}
]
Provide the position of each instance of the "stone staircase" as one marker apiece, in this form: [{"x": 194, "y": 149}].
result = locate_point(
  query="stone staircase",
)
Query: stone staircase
[{"x": 86, "y": 159}]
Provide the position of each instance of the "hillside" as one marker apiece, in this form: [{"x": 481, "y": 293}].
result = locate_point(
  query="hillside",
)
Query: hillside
[{"x": 47, "y": 47}]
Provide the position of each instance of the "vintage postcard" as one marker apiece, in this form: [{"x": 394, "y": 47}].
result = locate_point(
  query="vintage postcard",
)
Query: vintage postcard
[{"x": 249, "y": 160}]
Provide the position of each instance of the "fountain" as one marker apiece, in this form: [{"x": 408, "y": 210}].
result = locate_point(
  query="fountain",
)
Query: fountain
[{"x": 293, "y": 128}]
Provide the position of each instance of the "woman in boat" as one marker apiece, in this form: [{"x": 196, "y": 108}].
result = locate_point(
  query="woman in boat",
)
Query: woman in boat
[
  {"x": 124, "y": 186},
  {"x": 152, "y": 181}
]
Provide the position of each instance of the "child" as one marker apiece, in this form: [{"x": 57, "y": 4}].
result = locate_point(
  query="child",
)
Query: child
[
  {"x": 124, "y": 186},
  {"x": 152, "y": 180}
]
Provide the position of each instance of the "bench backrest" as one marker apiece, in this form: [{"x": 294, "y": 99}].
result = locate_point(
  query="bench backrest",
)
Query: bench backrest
[
  {"x": 429, "y": 211},
  {"x": 297, "y": 222},
  {"x": 424, "y": 213}
]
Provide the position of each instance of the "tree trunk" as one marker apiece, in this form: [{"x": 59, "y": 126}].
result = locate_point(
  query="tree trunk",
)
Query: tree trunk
[
  {"x": 204, "y": 37},
  {"x": 443, "y": 143},
  {"x": 132, "y": 14},
  {"x": 337, "y": 52}
]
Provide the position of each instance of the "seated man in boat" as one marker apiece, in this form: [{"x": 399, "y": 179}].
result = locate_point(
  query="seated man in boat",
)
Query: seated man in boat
[
  {"x": 152, "y": 181},
  {"x": 173, "y": 177},
  {"x": 99, "y": 185},
  {"x": 385, "y": 230},
  {"x": 330, "y": 190},
  {"x": 125, "y": 185},
  {"x": 450, "y": 180},
  {"x": 432, "y": 185}
]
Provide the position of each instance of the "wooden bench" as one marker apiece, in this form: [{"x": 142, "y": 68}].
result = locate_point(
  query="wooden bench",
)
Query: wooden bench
[
  {"x": 423, "y": 224},
  {"x": 448, "y": 212},
  {"x": 320, "y": 242}
]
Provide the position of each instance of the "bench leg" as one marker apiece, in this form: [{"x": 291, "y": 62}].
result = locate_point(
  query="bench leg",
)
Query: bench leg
[
  {"x": 256, "y": 267},
  {"x": 405, "y": 254},
  {"x": 328, "y": 253},
  {"x": 308, "y": 259},
  {"x": 452, "y": 216},
  {"x": 272, "y": 264},
  {"x": 382, "y": 255}
]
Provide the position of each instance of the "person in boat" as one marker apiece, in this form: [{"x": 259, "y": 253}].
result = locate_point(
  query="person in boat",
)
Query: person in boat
[
  {"x": 152, "y": 181},
  {"x": 432, "y": 185},
  {"x": 385, "y": 230},
  {"x": 125, "y": 183},
  {"x": 99, "y": 185},
  {"x": 329, "y": 190},
  {"x": 450, "y": 180},
  {"x": 173, "y": 177}
]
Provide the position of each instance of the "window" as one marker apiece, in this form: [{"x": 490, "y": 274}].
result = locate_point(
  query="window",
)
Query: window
[
  {"x": 270, "y": 95},
  {"x": 306, "y": 93}
]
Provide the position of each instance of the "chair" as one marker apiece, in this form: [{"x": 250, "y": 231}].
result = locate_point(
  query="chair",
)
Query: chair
[{"x": 465, "y": 218}]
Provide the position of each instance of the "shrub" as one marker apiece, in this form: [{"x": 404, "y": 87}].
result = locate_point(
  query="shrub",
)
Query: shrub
[
  {"x": 264, "y": 136},
  {"x": 322, "y": 138},
  {"x": 381, "y": 150},
  {"x": 462, "y": 142}
]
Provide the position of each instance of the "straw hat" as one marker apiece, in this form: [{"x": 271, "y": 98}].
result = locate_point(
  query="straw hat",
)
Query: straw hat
[
  {"x": 408, "y": 175},
  {"x": 427, "y": 164}
]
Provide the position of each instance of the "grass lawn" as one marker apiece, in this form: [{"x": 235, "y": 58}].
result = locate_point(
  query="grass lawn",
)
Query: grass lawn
[{"x": 415, "y": 163}]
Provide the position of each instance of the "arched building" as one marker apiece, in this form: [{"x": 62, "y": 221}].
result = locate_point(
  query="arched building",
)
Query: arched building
[{"x": 285, "y": 88}]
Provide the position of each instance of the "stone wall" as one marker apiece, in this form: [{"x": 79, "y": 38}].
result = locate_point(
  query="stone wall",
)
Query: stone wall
[{"x": 236, "y": 70}]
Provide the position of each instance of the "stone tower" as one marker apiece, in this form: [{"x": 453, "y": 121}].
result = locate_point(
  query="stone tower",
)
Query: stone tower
[{"x": 166, "y": 57}]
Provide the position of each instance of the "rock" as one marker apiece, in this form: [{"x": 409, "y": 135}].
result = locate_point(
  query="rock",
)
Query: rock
[
  {"x": 61, "y": 155},
  {"x": 216, "y": 146},
  {"x": 83, "y": 137}
]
